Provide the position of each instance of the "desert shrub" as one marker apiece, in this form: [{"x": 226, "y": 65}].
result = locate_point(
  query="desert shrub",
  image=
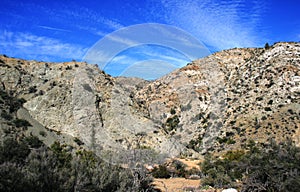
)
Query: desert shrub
[
  {"x": 63, "y": 156},
  {"x": 78, "y": 141},
  {"x": 216, "y": 177},
  {"x": 275, "y": 167},
  {"x": 68, "y": 67},
  {"x": 173, "y": 111},
  {"x": 33, "y": 142},
  {"x": 172, "y": 122},
  {"x": 161, "y": 172},
  {"x": 32, "y": 89},
  {"x": 13, "y": 103},
  {"x": 179, "y": 168},
  {"x": 12, "y": 178},
  {"x": 195, "y": 143},
  {"x": 21, "y": 123},
  {"x": 13, "y": 151},
  {"x": 215, "y": 172},
  {"x": 45, "y": 172},
  {"x": 234, "y": 155},
  {"x": 27, "y": 165},
  {"x": 226, "y": 140},
  {"x": 4, "y": 95},
  {"x": 6, "y": 115},
  {"x": 267, "y": 46},
  {"x": 43, "y": 133}
]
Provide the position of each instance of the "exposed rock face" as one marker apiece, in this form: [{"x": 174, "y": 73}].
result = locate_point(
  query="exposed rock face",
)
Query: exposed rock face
[
  {"x": 84, "y": 102},
  {"x": 217, "y": 102}
]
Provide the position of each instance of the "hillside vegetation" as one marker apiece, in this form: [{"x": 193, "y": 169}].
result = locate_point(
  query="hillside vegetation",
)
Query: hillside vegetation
[{"x": 76, "y": 128}]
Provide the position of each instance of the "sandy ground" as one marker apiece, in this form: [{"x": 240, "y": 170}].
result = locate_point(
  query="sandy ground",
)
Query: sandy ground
[{"x": 175, "y": 184}]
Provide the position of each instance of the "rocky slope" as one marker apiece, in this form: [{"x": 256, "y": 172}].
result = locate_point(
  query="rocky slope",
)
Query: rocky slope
[
  {"x": 230, "y": 97},
  {"x": 215, "y": 103}
]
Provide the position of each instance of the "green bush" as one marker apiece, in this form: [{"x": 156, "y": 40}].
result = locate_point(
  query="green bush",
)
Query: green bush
[
  {"x": 173, "y": 111},
  {"x": 161, "y": 172},
  {"x": 226, "y": 140},
  {"x": 78, "y": 141},
  {"x": 179, "y": 168},
  {"x": 13, "y": 151},
  {"x": 43, "y": 133},
  {"x": 195, "y": 144},
  {"x": 21, "y": 123},
  {"x": 12, "y": 178},
  {"x": 13, "y": 103},
  {"x": 33, "y": 142},
  {"x": 56, "y": 169},
  {"x": 6, "y": 115},
  {"x": 273, "y": 167},
  {"x": 267, "y": 46},
  {"x": 277, "y": 168},
  {"x": 172, "y": 122},
  {"x": 32, "y": 89}
]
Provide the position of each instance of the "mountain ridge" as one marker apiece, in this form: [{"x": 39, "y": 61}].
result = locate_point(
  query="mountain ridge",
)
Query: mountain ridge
[{"x": 216, "y": 103}]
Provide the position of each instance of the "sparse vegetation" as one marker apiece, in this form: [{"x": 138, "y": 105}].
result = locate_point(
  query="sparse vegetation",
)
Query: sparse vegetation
[
  {"x": 160, "y": 172},
  {"x": 78, "y": 141},
  {"x": 32, "y": 89},
  {"x": 43, "y": 133},
  {"x": 21, "y": 123},
  {"x": 195, "y": 143},
  {"x": 261, "y": 93},
  {"x": 6, "y": 115},
  {"x": 172, "y": 123},
  {"x": 226, "y": 140},
  {"x": 272, "y": 168},
  {"x": 56, "y": 169},
  {"x": 267, "y": 46},
  {"x": 173, "y": 111}
]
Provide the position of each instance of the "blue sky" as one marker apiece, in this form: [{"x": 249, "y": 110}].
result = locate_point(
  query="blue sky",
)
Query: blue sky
[{"x": 65, "y": 30}]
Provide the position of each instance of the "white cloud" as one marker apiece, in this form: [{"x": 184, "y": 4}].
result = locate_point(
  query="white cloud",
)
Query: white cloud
[
  {"x": 25, "y": 44},
  {"x": 221, "y": 24}
]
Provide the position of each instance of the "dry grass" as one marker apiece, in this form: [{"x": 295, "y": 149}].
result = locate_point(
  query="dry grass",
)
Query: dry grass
[{"x": 191, "y": 163}]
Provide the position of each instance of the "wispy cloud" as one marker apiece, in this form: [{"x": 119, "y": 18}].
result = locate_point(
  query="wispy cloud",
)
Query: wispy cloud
[
  {"x": 53, "y": 28},
  {"x": 86, "y": 18},
  {"x": 164, "y": 54},
  {"x": 91, "y": 18},
  {"x": 221, "y": 24},
  {"x": 27, "y": 45},
  {"x": 122, "y": 40}
]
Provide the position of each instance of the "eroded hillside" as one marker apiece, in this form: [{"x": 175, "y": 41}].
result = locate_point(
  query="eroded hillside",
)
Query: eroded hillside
[{"x": 215, "y": 103}]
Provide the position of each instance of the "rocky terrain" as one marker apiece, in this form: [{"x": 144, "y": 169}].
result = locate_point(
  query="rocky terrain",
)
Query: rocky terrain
[{"x": 212, "y": 104}]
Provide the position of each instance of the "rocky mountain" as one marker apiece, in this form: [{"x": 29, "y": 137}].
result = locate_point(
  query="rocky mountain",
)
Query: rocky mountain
[{"x": 216, "y": 103}]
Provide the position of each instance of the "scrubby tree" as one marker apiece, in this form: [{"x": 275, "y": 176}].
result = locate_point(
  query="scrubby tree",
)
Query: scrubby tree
[{"x": 267, "y": 46}]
